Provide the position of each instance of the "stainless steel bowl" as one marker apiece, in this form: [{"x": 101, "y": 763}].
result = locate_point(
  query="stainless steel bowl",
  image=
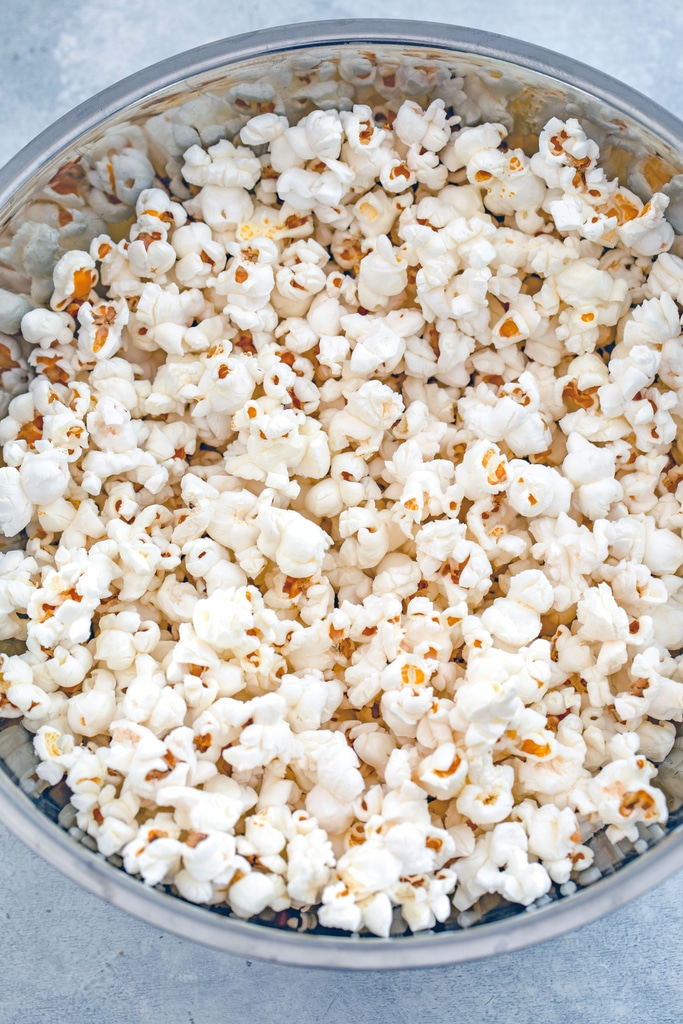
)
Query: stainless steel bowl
[{"x": 486, "y": 77}]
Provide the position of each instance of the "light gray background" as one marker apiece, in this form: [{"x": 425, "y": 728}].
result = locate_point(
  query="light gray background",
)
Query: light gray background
[{"x": 67, "y": 957}]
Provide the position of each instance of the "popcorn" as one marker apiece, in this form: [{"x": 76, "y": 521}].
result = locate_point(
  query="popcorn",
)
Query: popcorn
[
  {"x": 309, "y": 860},
  {"x": 515, "y": 620},
  {"x": 416, "y": 127},
  {"x": 483, "y": 471},
  {"x": 311, "y": 699},
  {"x": 44, "y": 327},
  {"x": 306, "y": 190},
  {"x": 16, "y": 588},
  {"x": 500, "y": 863},
  {"x": 92, "y": 711},
  {"x": 56, "y": 752},
  {"x": 352, "y": 504},
  {"x": 486, "y": 702},
  {"x": 296, "y": 545},
  {"x": 443, "y": 773},
  {"x": 148, "y": 701},
  {"x": 120, "y": 172},
  {"x": 227, "y": 632},
  {"x": 16, "y": 509},
  {"x": 514, "y": 416},
  {"x": 250, "y": 895},
  {"x": 75, "y": 277},
  {"x": 554, "y": 837},
  {"x": 536, "y": 490},
  {"x": 13, "y": 308},
  {"x": 382, "y": 274},
  {"x": 198, "y": 255},
  {"x": 653, "y": 691},
  {"x": 262, "y": 129},
  {"x": 424, "y": 899},
  {"x": 154, "y": 854},
  {"x": 208, "y": 810},
  {"x": 591, "y": 471},
  {"x": 470, "y": 141},
  {"x": 318, "y": 135},
  {"x": 510, "y": 184},
  {"x": 620, "y": 794},
  {"x": 222, "y": 207},
  {"x": 648, "y": 233},
  {"x": 369, "y": 411},
  {"x": 222, "y": 164},
  {"x": 663, "y": 551}
]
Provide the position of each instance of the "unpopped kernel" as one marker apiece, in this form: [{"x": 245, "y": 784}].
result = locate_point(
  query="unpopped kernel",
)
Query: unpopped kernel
[{"x": 350, "y": 490}]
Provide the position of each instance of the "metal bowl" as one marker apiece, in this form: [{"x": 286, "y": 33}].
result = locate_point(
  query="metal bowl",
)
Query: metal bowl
[{"x": 201, "y": 95}]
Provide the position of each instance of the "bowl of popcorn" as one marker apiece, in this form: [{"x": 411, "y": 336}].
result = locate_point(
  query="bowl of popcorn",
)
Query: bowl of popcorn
[{"x": 341, "y": 494}]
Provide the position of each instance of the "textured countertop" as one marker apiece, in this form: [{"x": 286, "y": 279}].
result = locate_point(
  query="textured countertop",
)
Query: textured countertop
[{"x": 65, "y": 956}]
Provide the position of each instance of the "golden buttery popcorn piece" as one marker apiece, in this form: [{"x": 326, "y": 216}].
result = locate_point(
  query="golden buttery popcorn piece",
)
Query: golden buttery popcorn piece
[{"x": 351, "y": 494}]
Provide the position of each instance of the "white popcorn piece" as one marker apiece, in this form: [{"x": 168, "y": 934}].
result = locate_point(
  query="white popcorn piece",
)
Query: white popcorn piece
[
  {"x": 382, "y": 274},
  {"x": 591, "y": 470},
  {"x": 120, "y": 172},
  {"x": 555, "y": 838},
  {"x": 154, "y": 859},
  {"x": 653, "y": 691},
  {"x": 369, "y": 411},
  {"x": 268, "y": 738},
  {"x": 296, "y": 544},
  {"x": 424, "y": 899},
  {"x": 621, "y": 794},
  {"x": 56, "y": 752},
  {"x": 155, "y": 211},
  {"x": 92, "y": 711},
  {"x": 486, "y": 702},
  {"x": 74, "y": 277},
  {"x": 262, "y": 129},
  {"x": 648, "y": 233},
  {"x": 470, "y": 141},
  {"x": 44, "y": 327},
  {"x": 150, "y": 257},
  {"x": 223, "y": 164},
  {"x": 222, "y": 620},
  {"x": 514, "y": 416},
  {"x": 515, "y": 620},
  {"x": 483, "y": 471},
  {"x": 16, "y": 508},
  {"x": 212, "y": 857},
  {"x": 500, "y": 863},
  {"x": 311, "y": 699},
  {"x": 44, "y": 476},
  {"x": 317, "y": 135},
  {"x": 510, "y": 184},
  {"x": 198, "y": 255},
  {"x": 428, "y": 128},
  {"x": 340, "y": 910},
  {"x": 309, "y": 862},
  {"x": 656, "y": 740},
  {"x": 443, "y": 773},
  {"x": 487, "y": 798},
  {"x": 222, "y": 207},
  {"x": 536, "y": 490},
  {"x": 206, "y": 811},
  {"x": 663, "y": 551}
]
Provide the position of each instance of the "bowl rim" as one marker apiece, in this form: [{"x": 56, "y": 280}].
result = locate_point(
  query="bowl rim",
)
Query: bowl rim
[{"x": 189, "y": 921}]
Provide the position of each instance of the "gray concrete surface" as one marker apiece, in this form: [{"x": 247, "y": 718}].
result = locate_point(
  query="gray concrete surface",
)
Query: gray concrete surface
[{"x": 67, "y": 957}]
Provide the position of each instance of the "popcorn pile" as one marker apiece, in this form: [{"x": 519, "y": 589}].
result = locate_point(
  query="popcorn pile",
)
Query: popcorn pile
[{"x": 353, "y": 500}]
